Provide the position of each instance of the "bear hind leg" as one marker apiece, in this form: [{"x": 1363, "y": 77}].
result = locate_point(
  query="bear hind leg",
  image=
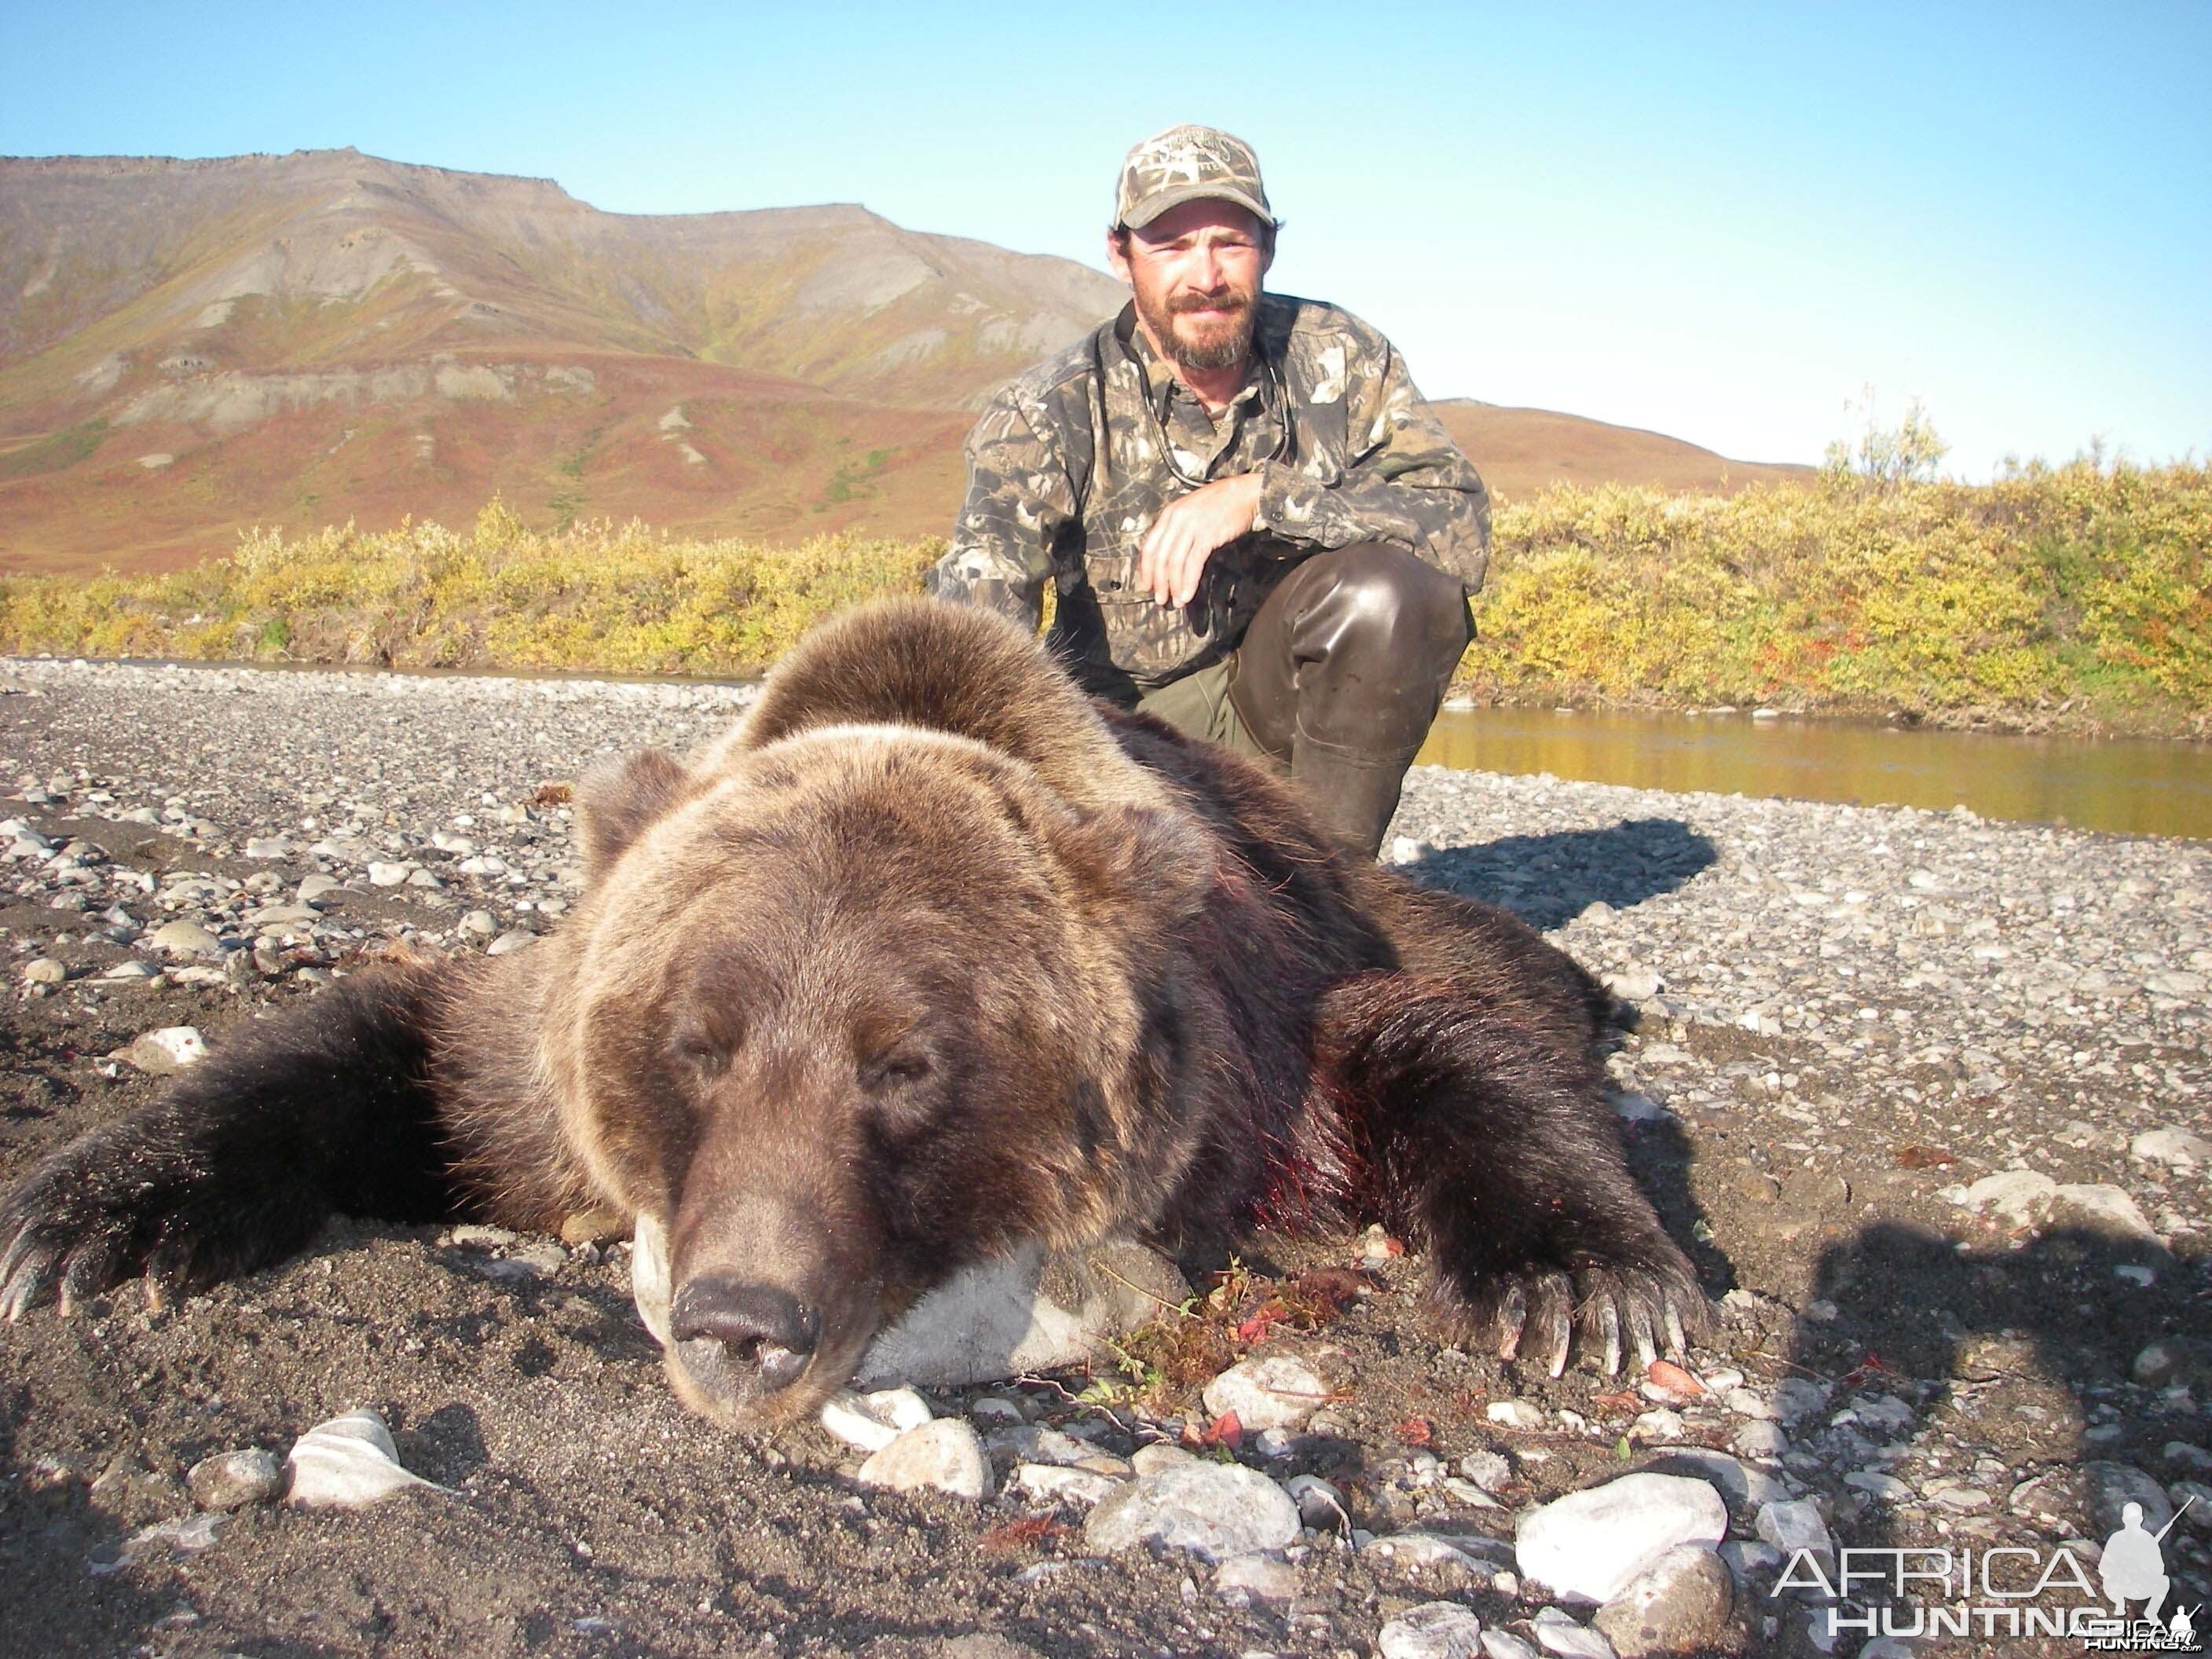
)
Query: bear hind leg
[{"x": 1491, "y": 1146}]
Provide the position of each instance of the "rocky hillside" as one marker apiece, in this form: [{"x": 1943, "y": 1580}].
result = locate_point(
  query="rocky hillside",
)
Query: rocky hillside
[{"x": 189, "y": 347}]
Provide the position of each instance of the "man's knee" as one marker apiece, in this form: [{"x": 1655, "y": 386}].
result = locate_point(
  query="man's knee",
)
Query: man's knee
[{"x": 1382, "y": 598}]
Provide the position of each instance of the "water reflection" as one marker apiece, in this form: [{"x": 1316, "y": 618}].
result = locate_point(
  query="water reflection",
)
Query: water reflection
[{"x": 2123, "y": 785}]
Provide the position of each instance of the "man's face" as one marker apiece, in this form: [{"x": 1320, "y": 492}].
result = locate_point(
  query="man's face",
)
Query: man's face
[{"x": 1195, "y": 272}]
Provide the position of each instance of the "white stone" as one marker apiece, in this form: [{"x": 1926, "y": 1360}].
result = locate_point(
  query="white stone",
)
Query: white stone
[
  {"x": 185, "y": 938},
  {"x": 1277, "y": 1393},
  {"x": 1435, "y": 1630},
  {"x": 2102, "y": 1209},
  {"x": 1558, "y": 1633},
  {"x": 2018, "y": 1195},
  {"x": 349, "y": 1463},
  {"x": 870, "y": 1421},
  {"x": 1678, "y": 1604},
  {"x": 1055, "y": 1483},
  {"x": 1024, "y": 1312},
  {"x": 1417, "y": 1546},
  {"x": 514, "y": 939},
  {"x": 1589, "y": 1545},
  {"x": 1256, "y": 1579},
  {"x": 943, "y": 1455},
  {"x": 170, "y": 1049},
  {"x": 2176, "y": 1148},
  {"x": 1514, "y": 1414},
  {"x": 45, "y": 971},
  {"x": 267, "y": 847},
  {"x": 381, "y": 874},
  {"x": 1762, "y": 1442},
  {"x": 1795, "y": 1526},
  {"x": 1214, "y": 1511},
  {"x": 1320, "y": 1505},
  {"x": 1504, "y": 1645}
]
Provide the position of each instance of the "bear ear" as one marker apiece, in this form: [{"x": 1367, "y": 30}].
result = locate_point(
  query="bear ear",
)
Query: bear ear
[
  {"x": 1139, "y": 859},
  {"x": 617, "y": 800}
]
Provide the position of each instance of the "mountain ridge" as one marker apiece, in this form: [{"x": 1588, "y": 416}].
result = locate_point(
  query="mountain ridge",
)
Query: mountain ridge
[{"x": 189, "y": 346}]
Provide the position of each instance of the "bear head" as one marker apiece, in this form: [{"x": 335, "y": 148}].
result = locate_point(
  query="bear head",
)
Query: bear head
[{"x": 854, "y": 1009}]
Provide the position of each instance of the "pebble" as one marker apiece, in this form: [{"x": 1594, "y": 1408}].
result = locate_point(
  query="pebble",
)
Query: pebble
[
  {"x": 231, "y": 1481},
  {"x": 1320, "y": 1505},
  {"x": 185, "y": 938},
  {"x": 170, "y": 1049},
  {"x": 1059, "y": 1484},
  {"x": 1556, "y": 1632},
  {"x": 1514, "y": 1414},
  {"x": 45, "y": 971},
  {"x": 1256, "y": 1578},
  {"x": 1503, "y": 1644},
  {"x": 1214, "y": 1511},
  {"x": 1797, "y": 1525},
  {"x": 1678, "y": 1604},
  {"x": 1589, "y": 1545},
  {"x": 349, "y": 1463},
  {"x": 1744, "y": 1486},
  {"x": 873, "y": 1421},
  {"x": 1761, "y": 1441},
  {"x": 2178, "y": 1147},
  {"x": 944, "y": 1455},
  {"x": 1434, "y": 1630},
  {"x": 1275, "y": 1392}
]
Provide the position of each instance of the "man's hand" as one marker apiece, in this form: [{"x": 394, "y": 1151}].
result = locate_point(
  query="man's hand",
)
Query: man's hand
[{"x": 1188, "y": 530}]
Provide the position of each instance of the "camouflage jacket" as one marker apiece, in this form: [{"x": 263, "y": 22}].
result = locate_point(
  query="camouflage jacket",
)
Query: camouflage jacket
[{"x": 1064, "y": 475}]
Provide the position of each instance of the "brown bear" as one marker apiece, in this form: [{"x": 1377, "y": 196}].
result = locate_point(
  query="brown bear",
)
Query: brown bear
[{"x": 930, "y": 958}]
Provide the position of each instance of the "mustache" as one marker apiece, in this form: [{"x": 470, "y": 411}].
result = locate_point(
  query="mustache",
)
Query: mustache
[{"x": 1227, "y": 300}]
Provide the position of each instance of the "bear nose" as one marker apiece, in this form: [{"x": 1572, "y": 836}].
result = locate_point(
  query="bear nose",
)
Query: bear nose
[{"x": 759, "y": 1326}]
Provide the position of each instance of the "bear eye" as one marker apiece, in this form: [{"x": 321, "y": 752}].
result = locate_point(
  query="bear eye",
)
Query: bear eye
[
  {"x": 895, "y": 1071},
  {"x": 697, "y": 1051}
]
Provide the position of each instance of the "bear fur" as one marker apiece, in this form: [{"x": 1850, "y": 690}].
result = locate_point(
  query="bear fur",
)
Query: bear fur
[{"x": 930, "y": 958}]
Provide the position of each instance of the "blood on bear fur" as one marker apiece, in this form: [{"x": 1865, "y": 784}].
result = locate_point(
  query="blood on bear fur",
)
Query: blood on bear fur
[{"x": 929, "y": 956}]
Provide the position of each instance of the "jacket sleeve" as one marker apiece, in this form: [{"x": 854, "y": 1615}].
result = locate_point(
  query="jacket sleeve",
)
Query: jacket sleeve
[
  {"x": 1404, "y": 481},
  {"x": 1020, "y": 502}
]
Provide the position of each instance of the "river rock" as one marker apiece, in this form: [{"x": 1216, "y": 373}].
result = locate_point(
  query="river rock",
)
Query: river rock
[
  {"x": 185, "y": 938},
  {"x": 1678, "y": 1604},
  {"x": 873, "y": 1421},
  {"x": 1277, "y": 1393},
  {"x": 1256, "y": 1578},
  {"x": 944, "y": 1455},
  {"x": 349, "y": 1463},
  {"x": 231, "y": 1481},
  {"x": 2181, "y": 1148},
  {"x": 1590, "y": 1545},
  {"x": 1556, "y": 1632},
  {"x": 1795, "y": 1526},
  {"x": 1214, "y": 1511},
  {"x": 45, "y": 971},
  {"x": 171, "y": 1049},
  {"x": 2112, "y": 1487},
  {"x": 1745, "y": 1486},
  {"x": 1435, "y": 1630},
  {"x": 1056, "y": 1483}
]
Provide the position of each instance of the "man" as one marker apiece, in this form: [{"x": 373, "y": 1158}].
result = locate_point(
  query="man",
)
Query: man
[{"x": 1255, "y": 528}]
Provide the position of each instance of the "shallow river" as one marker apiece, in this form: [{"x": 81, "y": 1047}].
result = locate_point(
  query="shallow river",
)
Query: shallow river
[{"x": 2125, "y": 785}]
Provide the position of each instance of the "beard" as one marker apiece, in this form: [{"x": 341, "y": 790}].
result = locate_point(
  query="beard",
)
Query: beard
[{"x": 1216, "y": 343}]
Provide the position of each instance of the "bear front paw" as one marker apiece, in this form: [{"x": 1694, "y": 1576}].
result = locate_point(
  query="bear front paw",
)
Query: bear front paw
[
  {"x": 112, "y": 1207},
  {"x": 1594, "y": 1312}
]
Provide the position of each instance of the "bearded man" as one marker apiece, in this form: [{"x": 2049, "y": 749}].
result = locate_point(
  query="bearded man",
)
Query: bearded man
[{"x": 1255, "y": 527}]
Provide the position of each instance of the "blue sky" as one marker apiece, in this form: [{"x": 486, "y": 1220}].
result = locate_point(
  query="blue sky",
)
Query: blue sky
[{"x": 1720, "y": 223}]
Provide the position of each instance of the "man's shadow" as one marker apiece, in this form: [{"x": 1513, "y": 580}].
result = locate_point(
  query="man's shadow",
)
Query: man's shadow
[
  {"x": 2033, "y": 1350},
  {"x": 1548, "y": 880}
]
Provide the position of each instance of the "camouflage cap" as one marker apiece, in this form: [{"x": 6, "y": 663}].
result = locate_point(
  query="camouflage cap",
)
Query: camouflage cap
[{"x": 1188, "y": 164}]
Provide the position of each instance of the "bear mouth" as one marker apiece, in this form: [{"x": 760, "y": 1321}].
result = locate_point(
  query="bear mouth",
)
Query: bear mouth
[{"x": 743, "y": 1355}]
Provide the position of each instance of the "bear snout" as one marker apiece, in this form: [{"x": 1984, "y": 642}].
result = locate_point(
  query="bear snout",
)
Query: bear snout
[{"x": 742, "y": 1339}]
